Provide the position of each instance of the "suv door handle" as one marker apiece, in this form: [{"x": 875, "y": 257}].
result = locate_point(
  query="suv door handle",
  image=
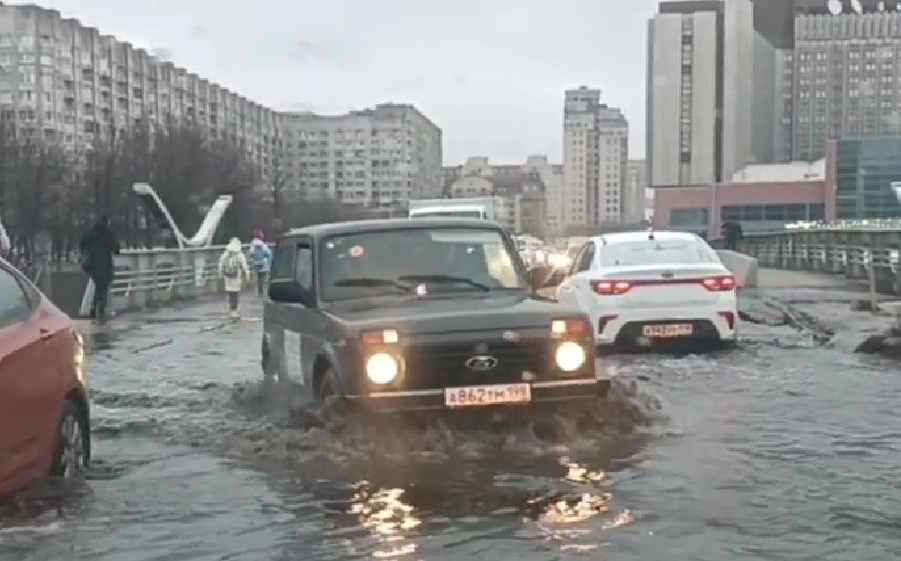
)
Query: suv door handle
[{"x": 45, "y": 334}]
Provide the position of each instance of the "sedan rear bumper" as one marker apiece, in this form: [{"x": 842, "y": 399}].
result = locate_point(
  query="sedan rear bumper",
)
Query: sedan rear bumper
[{"x": 433, "y": 399}]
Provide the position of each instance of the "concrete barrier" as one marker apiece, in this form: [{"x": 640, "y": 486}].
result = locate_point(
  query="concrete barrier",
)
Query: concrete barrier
[{"x": 743, "y": 267}]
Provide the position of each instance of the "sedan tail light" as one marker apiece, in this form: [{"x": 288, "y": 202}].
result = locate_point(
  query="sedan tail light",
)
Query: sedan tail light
[
  {"x": 719, "y": 284},
  {"x": 610, "y": 288}
]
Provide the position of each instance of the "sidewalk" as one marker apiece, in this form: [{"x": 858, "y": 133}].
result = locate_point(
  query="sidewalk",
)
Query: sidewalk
[
  {"x": 780, "y": 279},
  {"x": 828, "y": 305},
  {"x": 137, "y": 330}
]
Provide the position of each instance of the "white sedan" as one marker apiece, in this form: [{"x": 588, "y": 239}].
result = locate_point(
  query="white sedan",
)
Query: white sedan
[{"x": 644, "y": 287}]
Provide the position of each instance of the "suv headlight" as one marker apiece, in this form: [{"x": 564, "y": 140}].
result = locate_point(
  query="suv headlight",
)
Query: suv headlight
[
  {"x": 382, "y": 368},
  {"x": 570, "y": 356}
]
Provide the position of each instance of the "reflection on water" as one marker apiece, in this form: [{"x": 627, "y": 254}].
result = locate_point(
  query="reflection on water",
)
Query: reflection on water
[
  {"x": 388, "y": 519},
  {"x": 570, "y": 522}
]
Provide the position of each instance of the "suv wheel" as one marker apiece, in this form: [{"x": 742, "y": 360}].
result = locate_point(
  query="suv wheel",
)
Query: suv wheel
[{"x": 331, "y": 402}]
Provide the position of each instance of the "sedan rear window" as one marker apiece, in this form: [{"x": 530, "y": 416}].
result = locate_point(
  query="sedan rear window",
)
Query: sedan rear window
[{"x": 630, "y": 254}]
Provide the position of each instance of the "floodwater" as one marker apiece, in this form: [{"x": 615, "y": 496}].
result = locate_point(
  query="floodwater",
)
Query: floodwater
[{"x": 782, "y": 449}]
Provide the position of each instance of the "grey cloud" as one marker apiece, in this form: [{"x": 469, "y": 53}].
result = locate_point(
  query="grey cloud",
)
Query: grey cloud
[{"x": 491, "y": 74}]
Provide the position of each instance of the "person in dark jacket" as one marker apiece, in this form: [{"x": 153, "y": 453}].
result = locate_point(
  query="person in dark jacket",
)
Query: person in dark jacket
[
  {"x": 97, "y": 247},
  {"x": 732, "y": 234}
]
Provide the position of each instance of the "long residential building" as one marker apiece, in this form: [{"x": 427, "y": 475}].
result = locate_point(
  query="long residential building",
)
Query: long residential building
[{"x": 66, "y": 82}]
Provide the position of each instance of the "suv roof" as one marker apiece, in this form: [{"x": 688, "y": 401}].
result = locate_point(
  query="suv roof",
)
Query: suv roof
[
  {"x": 387, "y": 224},
  {"x": 643, "y": 235}
]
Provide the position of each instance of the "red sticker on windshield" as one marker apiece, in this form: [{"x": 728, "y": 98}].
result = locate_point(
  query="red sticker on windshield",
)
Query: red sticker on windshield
[{"x": 356, "y": 251}]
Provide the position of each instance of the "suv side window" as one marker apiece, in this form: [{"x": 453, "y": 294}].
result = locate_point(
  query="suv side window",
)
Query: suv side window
[
  {"x": 586, "y": 258},
  {"x": 303, "y": 268},
  {"x": 14, "y": 302},
  {"x": 283, "y": 261}
]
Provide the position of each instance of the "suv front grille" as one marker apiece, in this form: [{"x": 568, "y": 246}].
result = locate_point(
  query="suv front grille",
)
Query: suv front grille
[{"x": 438, "y": 365}]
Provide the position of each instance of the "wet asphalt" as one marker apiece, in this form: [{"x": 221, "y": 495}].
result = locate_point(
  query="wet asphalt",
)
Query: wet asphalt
[{"x": 786, "y": 448}]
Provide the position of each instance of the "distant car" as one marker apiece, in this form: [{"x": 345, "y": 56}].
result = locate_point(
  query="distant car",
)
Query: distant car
[
  {"x": 646, "y": 287},
  {"x": 44, "y": 415},
  {"x": 409, "y": 314}
]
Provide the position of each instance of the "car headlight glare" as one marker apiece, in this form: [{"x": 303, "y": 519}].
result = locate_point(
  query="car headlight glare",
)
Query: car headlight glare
[
  {"x": 382, "y": 368},
  {"x": 570, "y": 356}
]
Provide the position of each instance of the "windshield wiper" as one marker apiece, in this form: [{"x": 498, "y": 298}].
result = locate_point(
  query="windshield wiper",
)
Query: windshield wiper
[
  {"x": 372, "y": 282},
  {"x": 444, "y": 278}
]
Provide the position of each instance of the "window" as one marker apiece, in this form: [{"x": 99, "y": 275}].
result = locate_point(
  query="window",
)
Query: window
[
  {"x": 653, "y": 252},
  {"x": 14, "y": 303},
  {"x": 585, "y": 258},
  {"x": 303, "y": 268},
  {"x": 689, "y": 217},
  {"x": 283, "y": 261}
]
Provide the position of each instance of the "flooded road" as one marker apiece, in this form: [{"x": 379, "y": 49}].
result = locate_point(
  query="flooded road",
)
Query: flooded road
[{"x": 782, "y": 449}]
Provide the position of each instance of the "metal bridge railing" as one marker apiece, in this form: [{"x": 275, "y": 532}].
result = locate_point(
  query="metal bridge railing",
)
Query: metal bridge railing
[
  {"x": 870, "y": 250},
  {"x": 156, "y": 276}
]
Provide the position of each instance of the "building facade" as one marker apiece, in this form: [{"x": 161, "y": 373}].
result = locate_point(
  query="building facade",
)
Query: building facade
[
  {"x": 546, "y": 213},
  {"x": 865, "y": 169},
  {"x": 595, "y": 157},
  {"x": 68, "y": 83},
  {"x": 759, "y": 197},
  {"x": 522, "y": 193},
  {"x": 845, "y": 80},
  {"x": 711, "y": 101},
  {"x": 380, "y": 157},
  {"x": 638, "y": 196}
]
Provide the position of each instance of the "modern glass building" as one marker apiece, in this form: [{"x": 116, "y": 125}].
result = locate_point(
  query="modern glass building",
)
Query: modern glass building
[{"x": 865, "y": 168}]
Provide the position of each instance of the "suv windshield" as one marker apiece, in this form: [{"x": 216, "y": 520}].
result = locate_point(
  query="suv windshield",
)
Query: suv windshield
[
  {"x": 628, "y": 254},
  {"x": 398, "y": 261}
]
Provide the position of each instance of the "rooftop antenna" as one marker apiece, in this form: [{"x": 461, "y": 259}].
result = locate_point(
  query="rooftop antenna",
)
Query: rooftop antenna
[{"x": 835, "y": 7}]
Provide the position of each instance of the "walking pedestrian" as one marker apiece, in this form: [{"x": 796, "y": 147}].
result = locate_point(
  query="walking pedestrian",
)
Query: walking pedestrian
[
  {"x": 97, "y": 247},
  {"x": 234, "y": 272},
  {"x": 261, "y": 260}
]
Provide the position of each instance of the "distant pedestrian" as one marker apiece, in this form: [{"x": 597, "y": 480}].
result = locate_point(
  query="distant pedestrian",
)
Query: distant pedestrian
[
  {"x": 260, "y": 260},
  {"x": 732, "y": 234},
  {"x": 97, "y": 247},
  {"x": 234, "y": 272}
]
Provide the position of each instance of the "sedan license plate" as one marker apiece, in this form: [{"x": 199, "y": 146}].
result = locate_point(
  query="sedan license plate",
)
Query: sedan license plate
[
  {"x": 668, "y": 330},
  {"x": 481, "y": 396}
]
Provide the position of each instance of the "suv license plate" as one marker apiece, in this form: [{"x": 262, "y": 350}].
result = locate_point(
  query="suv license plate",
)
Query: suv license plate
[
  {"x": 668, "y": 330},
  {"x": 481, "y": 396}
]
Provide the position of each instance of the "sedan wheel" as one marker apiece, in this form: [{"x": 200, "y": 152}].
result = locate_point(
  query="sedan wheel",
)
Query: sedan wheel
[{"x": 71, "y": 454}]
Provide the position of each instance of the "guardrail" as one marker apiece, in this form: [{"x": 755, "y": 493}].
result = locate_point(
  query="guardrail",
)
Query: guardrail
[
  {"x": 866, "y": 253},
  {"x": 150, "y": 277}
]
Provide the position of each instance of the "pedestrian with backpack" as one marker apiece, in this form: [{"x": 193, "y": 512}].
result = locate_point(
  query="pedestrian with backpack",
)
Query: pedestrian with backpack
[
  {"x": 234, "y": 272},
  {"x": 260, "y": 259}
]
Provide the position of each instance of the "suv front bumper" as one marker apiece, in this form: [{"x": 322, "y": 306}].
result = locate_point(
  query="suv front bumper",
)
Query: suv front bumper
[{"x": 434, "y": 399}]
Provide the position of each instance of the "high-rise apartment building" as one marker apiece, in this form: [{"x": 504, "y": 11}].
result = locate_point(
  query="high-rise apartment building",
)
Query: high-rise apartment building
[
  {"x": 376, "y": 157},
  {"x": 595, "y": 155},
  {"x": 711, "y": 92},
  {"x": 66, "y": 82},
  {"x": 844, "y": 80}
]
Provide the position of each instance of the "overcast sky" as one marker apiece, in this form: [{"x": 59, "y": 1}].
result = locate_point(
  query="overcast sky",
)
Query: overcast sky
[{"x": 490, "y": 73}]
